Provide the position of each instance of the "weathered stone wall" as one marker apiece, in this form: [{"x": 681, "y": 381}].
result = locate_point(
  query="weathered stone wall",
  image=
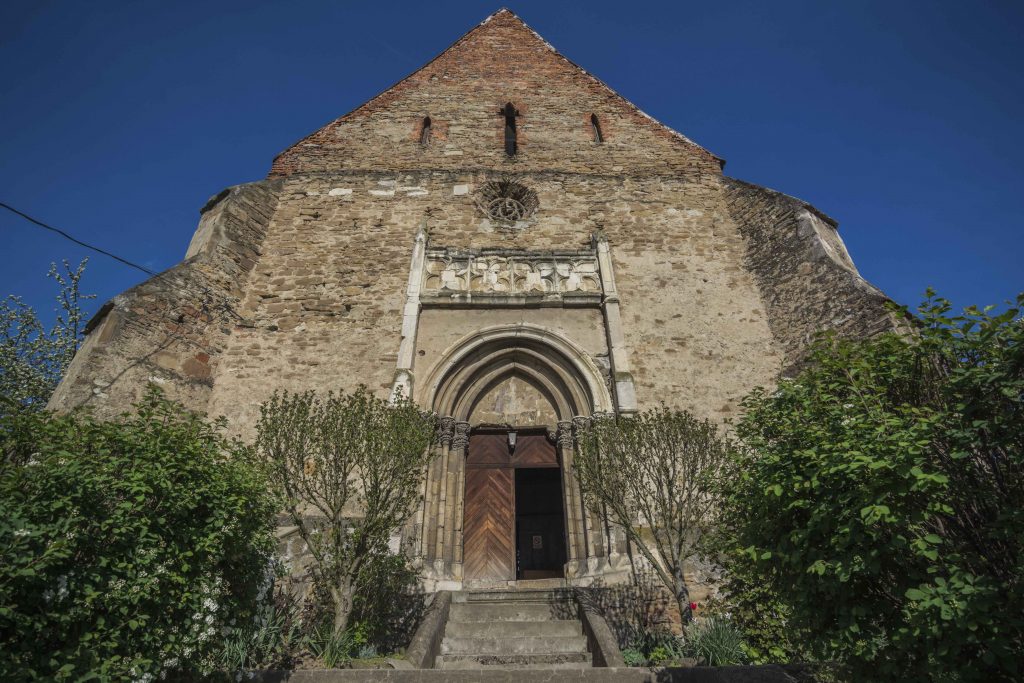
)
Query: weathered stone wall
[
  {"x": 170, "y": 329},
  {"x": 806, "y": 277},
  {"x": 324, "y": 304}
]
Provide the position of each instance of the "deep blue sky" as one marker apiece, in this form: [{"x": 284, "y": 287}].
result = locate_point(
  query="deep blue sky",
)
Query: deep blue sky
[{"x": 903, "y": 120}]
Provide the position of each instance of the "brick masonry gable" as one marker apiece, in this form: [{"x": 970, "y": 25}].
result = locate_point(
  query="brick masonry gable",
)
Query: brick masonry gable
[{"x": 462, "y": 90}]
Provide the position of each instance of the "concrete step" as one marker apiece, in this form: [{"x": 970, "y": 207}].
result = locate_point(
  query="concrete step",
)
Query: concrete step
[
  {"x": 505, "y": 595},
  {"x": 513, "y": 611},
  {"x": 469, "y": 665},
  {"x": 522, "y": 645},
  {"x": 512, "y": 629},
  {"x": 537, "y": 660}
]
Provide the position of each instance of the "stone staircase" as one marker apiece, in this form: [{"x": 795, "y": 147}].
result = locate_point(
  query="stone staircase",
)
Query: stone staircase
[{"x": 513, "y": 629}]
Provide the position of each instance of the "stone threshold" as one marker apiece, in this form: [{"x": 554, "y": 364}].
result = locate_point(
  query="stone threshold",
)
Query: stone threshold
[{"x": 697, "y": 674}]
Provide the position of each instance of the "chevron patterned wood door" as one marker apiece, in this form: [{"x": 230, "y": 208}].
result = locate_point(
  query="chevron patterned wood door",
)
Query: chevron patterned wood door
[{"x": 489, "y": 550}]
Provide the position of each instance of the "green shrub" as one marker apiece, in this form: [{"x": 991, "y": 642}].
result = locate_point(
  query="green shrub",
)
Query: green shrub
[
  {"x": 332, "y": 455},
  {"x": 337, "y": 649},
  {"x": 273, "y": 639},
  {"x": 648, "y": 646},
  {"x": 128, "y": 547},
  {"x": 753, "y": 605},
  {"x": 881, "y": 498},
  {"x": 715, "y": 642},
  {"x": 633, "y": 656}
]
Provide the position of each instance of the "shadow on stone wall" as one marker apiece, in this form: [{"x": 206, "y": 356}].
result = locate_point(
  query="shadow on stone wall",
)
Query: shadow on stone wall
[{"x": 642, "y": 605}]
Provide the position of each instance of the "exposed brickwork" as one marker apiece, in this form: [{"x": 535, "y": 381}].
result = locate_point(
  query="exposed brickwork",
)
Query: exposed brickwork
[
  {"x": 464, "y": 88},
  {"x": 171, "y": 329}
]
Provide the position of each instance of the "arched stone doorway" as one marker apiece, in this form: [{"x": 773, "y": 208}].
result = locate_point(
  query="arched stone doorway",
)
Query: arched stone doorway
[{"x": 500, "y": 502}]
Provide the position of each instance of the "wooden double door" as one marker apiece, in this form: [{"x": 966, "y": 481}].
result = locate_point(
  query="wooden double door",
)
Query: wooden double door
[{"x": 514, "y": 525}]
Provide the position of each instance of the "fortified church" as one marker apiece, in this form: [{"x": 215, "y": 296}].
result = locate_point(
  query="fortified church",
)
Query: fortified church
[{"x": 506, "y": 240}]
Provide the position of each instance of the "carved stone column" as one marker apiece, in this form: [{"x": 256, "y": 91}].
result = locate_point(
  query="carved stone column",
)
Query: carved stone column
[
  {"x": 573, "y": 520},
  {"x": 445, "y": 494},
  {"x": 460, "y": 443},
  {"x": 428, "y": 535},
  {"x": 608, "y": 552},
  {"x": 588, "y": 529}
]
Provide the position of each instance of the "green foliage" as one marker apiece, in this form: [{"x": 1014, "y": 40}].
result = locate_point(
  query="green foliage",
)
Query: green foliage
[
  {"x": 650, "y": 645},
  {"x": 348, "y": 468},
  {"x": 273, "y": 639},
  {"x": 336, "y": 648},
  {"x": 127, "y": 546},
  {"x": 634, "y": 656},
  {"x": 389, "y": 601},
  {"x": 715, "y": 641},
  {"x": 32, "y": 359},
  {"x": 881, "y": 498},
  {"x": 753, "y": 604},
  {"x": 660, "y": 468}
]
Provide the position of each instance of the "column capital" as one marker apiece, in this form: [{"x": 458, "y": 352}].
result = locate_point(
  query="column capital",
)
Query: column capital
[
  {"x": 461, "y": 436},
  {"x": 579, "y": 423},
  {"x": 445, "y": 430},
  {"x": 563, "y": 434}
]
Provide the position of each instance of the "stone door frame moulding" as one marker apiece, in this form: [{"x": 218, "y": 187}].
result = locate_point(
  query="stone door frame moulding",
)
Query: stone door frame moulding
[
  {"x": 587, "y": 389},
  {"x": 575, "y": 385},
  {"x": 622, "y": 385}
]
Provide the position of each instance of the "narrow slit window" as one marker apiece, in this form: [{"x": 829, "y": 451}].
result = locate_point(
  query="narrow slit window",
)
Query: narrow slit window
[
  {"x": 511, "y": 138},
  {"x": 595, "y": 125},
  {"x": 426, "y": 131}
]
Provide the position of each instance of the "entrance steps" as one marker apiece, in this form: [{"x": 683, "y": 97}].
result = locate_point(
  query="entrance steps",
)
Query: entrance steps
[{"x": 513, "y": 629}]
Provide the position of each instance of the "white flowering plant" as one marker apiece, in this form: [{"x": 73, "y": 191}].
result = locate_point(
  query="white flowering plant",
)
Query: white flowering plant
[
  {"x": 129, "y": 547},
  {"x": 33, "y": 358}
]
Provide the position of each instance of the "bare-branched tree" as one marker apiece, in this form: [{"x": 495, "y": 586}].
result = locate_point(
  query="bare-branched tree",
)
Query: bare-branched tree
[
  {"x": 654, "y": 475},
  {"x": 349, "y": 468},
  {"x": 33, "y": 359}
]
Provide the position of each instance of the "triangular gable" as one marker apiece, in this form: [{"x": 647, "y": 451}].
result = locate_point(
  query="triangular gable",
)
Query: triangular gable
[{"x": 506, "y": 18}]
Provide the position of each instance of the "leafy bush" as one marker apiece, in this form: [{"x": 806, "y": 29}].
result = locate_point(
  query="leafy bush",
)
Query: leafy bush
[
  {"x": 715, "y": 642},
  {"x": 756, "y": 608},
  {"x": 881, "y": 497},
  {"x": 127, "y": 546},
  {"x": 645, "y": 645},
  {"x": 634, "y": 656},
  {"x": 273, "y": 639},
  {"x": 659, "y": 467},
  {"x": 390, "y": 602},
  {"x": 354, "y": 461}
]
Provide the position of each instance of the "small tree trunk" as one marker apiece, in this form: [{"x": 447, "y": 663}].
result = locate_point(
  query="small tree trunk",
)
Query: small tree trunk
[
  {"x": 342, "y": 596},
  {"x": 682, "y": 596}
]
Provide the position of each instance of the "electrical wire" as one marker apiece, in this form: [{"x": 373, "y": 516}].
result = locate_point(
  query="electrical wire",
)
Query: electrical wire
[
  {"x": 225, "y": 305},
  {"x": 65, "y": 235}
]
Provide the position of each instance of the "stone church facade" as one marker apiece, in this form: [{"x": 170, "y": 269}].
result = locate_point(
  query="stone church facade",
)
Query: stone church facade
[{"x": 509, "y": 242}]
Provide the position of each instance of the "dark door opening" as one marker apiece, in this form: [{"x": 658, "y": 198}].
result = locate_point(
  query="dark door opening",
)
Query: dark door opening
[{"x": 540, "y": 523}]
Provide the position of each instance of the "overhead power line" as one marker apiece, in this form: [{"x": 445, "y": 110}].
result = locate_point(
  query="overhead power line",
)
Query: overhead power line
[
  {"x": 65, "y": 235},
  {"x": 225, "y": 303}
]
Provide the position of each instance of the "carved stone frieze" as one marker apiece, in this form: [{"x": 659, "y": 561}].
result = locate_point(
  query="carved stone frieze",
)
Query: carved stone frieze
[{"x": 511, "y": 272}]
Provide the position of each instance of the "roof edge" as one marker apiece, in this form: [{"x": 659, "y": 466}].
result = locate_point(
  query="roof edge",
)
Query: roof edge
[
  {"x": 790, "y": 198},
  {"x": 463, "y": 38}
]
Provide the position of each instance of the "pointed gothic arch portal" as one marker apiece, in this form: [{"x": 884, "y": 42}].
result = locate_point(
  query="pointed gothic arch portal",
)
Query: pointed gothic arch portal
[{"x": 499, "y": 504}]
